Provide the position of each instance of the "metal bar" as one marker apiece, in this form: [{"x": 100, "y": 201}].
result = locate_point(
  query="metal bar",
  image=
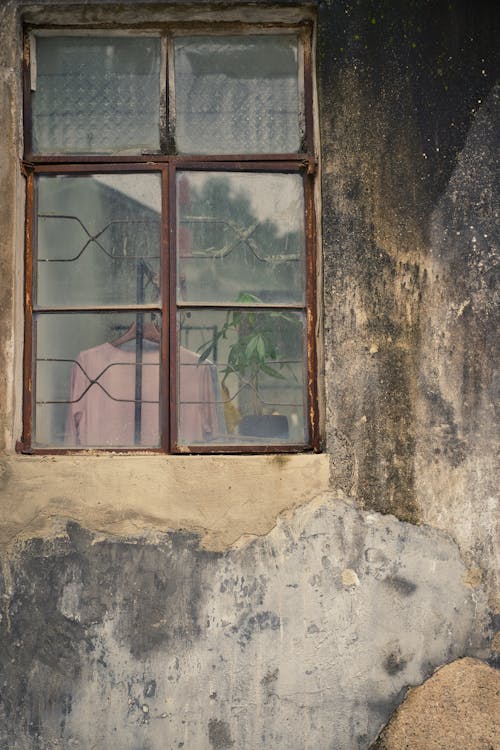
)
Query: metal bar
[
  {"x": 312, "y": 308},
  {"x": 26, "y": 437},
  {"x": 98, "y": 309},
  {"x": 235, "y": 306},
  {"x": 70, "y": 165},
  {"x": 183, "y": 450},
  {"x": 241, "y": 449},
  {"x": 165, "y": 380},
  {"x": 308, "y": 88},
  {"x": 79, "y": 162},
  {"x": 27, "y": 94},
  {"x": 75, "y": 451},
  {"x": 138, "y": 354},
  {"x": 164, "y": 108},
  {"x": 172, "y": 294}
]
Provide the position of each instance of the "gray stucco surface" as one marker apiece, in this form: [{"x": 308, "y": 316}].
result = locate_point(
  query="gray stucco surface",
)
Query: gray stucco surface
[{"x": 304, "y": 638}]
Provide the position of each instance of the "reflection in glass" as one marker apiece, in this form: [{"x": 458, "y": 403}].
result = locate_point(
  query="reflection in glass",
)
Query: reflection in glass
[
  {"x": 97, "y": 380},
  {"x": 98, "y": 239},
  {"x": 96, "y": 95},
  {"x": 237, "y": 94},
  {"x": 240, "y": 235},
  {"x": 244, "y": 371}
]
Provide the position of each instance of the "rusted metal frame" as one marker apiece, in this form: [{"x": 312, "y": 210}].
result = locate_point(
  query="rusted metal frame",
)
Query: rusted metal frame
[
  {"x": 98, "y": 308},
  {"x": 311, "y": 314},
  {"x": 24, "y": 444},
  {"x": 252, "y": 307},
  {"x": 171, "y": 102},
  {"x": 165, "y": 355},
  {"x": 308, "y": 88},
  {"x": 196, "y": 27},
  {"x": 85, "y": 450},
  {"x": 70, "y": 166},
  {"x": 237, "y": 164},
  {"x": 172, "y": 295},
  {"x": 164, "y": 95},
  {"x": 243, "y": 449},
  {"x": 240, "y": 28},
  {"x": 27, "y": 147},
  {"x": 153, "y": 159}
]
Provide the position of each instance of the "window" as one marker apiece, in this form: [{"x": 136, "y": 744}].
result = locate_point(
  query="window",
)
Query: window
[{"x": 170, "y": 241}]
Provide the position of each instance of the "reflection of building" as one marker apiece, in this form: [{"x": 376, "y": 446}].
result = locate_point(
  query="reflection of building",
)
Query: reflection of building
[{"x": 91, "y": 238}]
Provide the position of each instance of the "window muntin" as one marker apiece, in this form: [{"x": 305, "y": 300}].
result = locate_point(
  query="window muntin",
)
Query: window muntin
[{"x": 120, "y": 246}]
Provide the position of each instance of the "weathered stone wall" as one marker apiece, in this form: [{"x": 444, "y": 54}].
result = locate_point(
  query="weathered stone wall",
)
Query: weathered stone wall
[{"x": 165, "y": 602}]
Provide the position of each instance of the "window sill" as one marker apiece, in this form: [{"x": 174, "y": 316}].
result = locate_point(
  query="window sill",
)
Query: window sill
[{"x": 221, "y": 497}]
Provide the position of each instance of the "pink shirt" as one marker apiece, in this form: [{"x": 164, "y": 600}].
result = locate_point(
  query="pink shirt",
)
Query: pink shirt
[{"x": 101, "y": 412}]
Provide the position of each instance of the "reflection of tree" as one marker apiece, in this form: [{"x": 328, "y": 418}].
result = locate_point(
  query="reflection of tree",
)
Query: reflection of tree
[{"x": 221, "y": 223}]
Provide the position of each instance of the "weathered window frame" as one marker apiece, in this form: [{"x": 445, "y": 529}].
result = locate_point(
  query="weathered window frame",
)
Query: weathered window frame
[{"x": 166, "y": 164}]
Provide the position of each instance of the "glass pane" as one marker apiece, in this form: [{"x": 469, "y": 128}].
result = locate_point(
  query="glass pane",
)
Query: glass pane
[
  {"x": 97, "y": 95},
  {"x": 98, "y": 239},
  {"x": 241, "y": 378},
  {"x": 97, "y": 380},
  {"x": 240, "y": 237},
  {"x": 237, "y": 95}
]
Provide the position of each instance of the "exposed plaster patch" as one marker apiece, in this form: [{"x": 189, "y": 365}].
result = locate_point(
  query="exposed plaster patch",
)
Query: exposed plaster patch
[
  {"x": 459, "y": 706},
  {"x": 221, "y": 497}
]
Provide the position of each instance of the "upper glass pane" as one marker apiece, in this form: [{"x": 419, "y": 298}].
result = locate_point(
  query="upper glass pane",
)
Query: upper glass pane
[
  {"x": 98, "y": 239},
  {"x": 237, "y": 94},
  {"x": 98, "y": 95},
  {"x": 240, "y": 237}
]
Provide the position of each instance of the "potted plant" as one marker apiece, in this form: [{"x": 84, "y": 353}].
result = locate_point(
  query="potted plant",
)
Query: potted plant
[{"x": 253, "y": 351}]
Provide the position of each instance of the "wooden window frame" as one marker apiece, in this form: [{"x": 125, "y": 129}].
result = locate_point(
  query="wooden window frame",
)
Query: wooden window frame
[{"x": 167, "y": 165}]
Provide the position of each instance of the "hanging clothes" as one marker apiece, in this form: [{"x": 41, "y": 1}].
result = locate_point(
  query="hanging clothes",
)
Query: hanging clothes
[{"x": 101, "y": 409}]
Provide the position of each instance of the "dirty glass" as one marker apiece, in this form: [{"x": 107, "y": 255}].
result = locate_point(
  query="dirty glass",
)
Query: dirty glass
[
  {"x": 97, "y": 380},
  {"x": 98, "y": 239},
  {"x": 237, "y": 94},
  {"x": 98, "y": 95},
  {"x": 241, "y": 377},
  {"x": 240, "y": 237}
]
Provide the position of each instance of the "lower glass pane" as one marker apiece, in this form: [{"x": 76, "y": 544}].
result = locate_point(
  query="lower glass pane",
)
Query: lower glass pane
[
  {"x": 97, "y": 380},
  {"x": 241, "y": 378}
]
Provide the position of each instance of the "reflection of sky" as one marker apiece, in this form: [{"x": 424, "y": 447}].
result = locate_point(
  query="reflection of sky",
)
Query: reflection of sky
[
  {"x": 273, "y": 197},
  {"x": 277, "y": 197},
  {"x": 140, "y": 187}
]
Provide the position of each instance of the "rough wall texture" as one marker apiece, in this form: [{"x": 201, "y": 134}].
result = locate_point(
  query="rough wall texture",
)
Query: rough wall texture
[
  {"x": 309, "y": 635},
  {"x": 303, "y": 638}
]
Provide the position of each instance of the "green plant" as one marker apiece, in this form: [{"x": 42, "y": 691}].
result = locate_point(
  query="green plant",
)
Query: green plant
[{"x": 255, "y": 347}]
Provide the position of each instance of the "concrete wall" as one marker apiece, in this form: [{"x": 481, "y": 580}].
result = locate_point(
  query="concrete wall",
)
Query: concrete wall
[{"x": 288, "y": 602}]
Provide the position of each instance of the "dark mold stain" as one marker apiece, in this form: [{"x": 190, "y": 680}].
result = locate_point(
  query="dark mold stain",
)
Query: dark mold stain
[
  {"x": 256, "y": 623},
  {"x": 394, "y": 663},
  {"x": 270, "y": 677},
  {"x": 219, "y": 735},
  {"x": 398, "y": 100},
  {"x": 442, "y": 421},
  {"x": 47, "y": 631},
  {"x": 401, "y": 585},
  {"x": 150, "y": 689}
]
